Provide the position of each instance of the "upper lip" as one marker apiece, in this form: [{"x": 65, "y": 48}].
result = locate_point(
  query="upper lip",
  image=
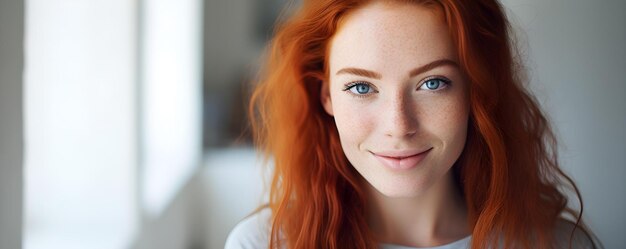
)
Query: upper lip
[{"x": 400, "y": 153}]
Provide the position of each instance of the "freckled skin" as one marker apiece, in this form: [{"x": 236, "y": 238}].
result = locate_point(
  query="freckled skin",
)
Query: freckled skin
[{"x": 393, "y": 39}]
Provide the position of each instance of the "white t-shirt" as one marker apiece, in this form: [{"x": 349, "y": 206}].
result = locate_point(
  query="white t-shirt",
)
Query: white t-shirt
[{"x": 253, "y": 233}]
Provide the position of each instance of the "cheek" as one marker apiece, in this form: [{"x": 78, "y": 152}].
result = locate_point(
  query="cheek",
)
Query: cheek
[
  {"x": 448, "y": 121},
  {"x": 354, "y": 122}
]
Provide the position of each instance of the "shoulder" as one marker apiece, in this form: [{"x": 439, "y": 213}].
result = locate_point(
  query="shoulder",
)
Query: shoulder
[
  {"x": 251, "y": 232},
  {"x": 581, "y": 238}
]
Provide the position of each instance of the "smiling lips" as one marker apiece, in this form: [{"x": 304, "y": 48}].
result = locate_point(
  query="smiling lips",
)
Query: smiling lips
[{"x": 400, "y": 160}]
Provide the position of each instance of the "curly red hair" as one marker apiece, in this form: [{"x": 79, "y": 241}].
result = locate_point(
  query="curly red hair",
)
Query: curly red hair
[{"x": 508, "y": 171}]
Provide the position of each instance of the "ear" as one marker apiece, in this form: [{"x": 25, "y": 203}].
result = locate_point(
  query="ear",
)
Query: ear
[{"x": 325, "y": 98}]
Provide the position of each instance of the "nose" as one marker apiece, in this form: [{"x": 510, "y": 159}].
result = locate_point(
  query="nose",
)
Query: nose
[{"x": 399, "y": 117}]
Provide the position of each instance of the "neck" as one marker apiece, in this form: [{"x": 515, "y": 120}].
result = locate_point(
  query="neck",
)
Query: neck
[{"x": 435, "y": 217}]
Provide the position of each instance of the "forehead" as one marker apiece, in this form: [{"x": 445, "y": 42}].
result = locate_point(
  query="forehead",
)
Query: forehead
[{"x": 390, "y": 37}]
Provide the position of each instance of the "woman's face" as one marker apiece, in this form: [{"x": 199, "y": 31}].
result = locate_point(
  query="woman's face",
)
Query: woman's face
[{"x": 398, "y": 98}]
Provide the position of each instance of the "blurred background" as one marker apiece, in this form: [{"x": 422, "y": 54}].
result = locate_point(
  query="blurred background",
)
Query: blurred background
[{"x": 123, "y": 123}]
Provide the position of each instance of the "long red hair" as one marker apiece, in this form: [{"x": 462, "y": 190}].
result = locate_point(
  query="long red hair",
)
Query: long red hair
[{"x": 508, "y": 171}]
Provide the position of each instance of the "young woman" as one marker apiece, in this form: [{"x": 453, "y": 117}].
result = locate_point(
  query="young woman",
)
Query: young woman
[{"x": 404, "y": 124}]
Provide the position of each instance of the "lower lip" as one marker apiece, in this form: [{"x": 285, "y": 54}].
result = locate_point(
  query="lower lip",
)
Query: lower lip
[{"x": 404, "y": 163}]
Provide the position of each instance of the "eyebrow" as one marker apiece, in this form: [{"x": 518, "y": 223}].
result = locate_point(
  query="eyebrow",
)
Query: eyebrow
[{"x": 412, "y": 73}]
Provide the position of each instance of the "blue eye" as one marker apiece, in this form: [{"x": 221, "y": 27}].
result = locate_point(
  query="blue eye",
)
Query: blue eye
[
  {"x": 362, "y": 89},
  {"x": 434, "y": 84},
  {"x": 359, "y": 88}
]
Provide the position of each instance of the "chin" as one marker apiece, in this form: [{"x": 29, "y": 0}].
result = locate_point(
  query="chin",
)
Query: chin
[
  {"x": 394, "y": 188},
  {"x": 399, "y": 194}
]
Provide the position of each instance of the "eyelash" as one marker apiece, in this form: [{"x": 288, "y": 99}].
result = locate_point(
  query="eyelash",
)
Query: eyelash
[{"x": 351, "y": 85}]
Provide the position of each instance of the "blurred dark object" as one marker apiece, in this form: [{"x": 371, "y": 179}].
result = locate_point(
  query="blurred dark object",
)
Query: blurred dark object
[{"x": 235, "y": 34}]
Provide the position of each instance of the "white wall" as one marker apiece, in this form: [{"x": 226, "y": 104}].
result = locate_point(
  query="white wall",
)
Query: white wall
[
  {"x": 80, "y": 124},
  {"x": 180, "y": 224},
  {"x": 219, "y": 195},
  {"x": 171, "y": 100},
  {"x": 577, "y": 59},
  {"x": 232, "y": 187},
  {"x": 112, "y": 117},
  {"x": 11, "y": 141}
]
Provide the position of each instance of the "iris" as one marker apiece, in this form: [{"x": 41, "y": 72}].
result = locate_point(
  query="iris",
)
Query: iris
[
  {"x": 362, "y": 88},
  {"x": 433, "y": 84}
]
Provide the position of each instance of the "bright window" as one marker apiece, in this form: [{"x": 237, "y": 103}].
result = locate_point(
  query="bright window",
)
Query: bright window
[{"x": 112, "y": 116}]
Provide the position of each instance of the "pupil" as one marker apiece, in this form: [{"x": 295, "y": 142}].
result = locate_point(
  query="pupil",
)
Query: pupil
[{"x": 362, "y": 88}]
